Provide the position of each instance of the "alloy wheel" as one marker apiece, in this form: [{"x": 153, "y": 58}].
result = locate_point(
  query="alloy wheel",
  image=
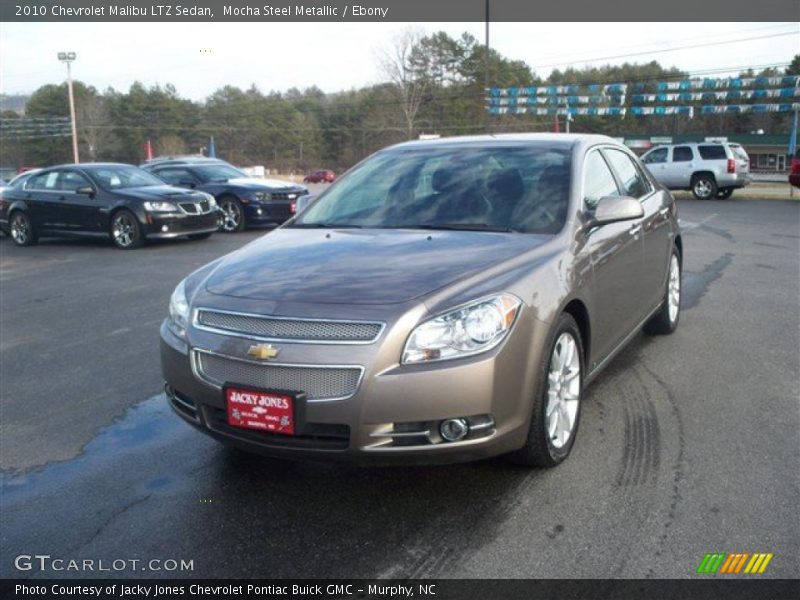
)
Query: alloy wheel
[
  {"x": 232, "y": 215},
  {"x": 674, "y": 292},
  {"x": 563, "y": 390},
  {"x": 702, "y": 188},
  {"x": 20, "y": 232},
  {"x": 124, "y": 230}
]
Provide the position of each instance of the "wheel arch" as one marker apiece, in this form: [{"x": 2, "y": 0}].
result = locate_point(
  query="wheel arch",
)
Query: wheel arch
[
  {"x": 697, "y": 174},
  {"x": 679, "y": 246},
  {"x": 578, "y": 311}
]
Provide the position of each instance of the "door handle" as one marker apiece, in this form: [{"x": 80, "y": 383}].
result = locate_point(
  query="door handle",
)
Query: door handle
[{"x": 635, "y": 229}]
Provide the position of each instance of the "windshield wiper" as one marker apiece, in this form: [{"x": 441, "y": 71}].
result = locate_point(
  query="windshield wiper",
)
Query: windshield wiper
[{"x": 466, "y": 227}]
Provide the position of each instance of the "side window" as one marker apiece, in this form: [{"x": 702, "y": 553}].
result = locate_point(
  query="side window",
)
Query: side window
[
  {"x": 69, "y": 181},
  {"x": 659, "y": 155},
  {"x": 682, "y": 154},
  {"x": 712, "y": 152},
  {"x": 174, "y": 176},
  {"x": 45, "y": 181},
  {"x": 598, "y": 182},
  {"x": 633, "y": 182}
]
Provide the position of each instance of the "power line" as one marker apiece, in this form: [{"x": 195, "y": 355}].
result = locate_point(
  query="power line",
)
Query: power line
[{"x": 663, "y": 50}]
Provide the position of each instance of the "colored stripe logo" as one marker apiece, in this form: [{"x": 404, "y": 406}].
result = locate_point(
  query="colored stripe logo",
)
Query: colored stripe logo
[{"x": 734, "y": 563}]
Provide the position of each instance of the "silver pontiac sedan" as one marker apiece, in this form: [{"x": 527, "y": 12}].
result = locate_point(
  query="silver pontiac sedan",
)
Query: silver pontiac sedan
[{"x": 445, "y": 300}]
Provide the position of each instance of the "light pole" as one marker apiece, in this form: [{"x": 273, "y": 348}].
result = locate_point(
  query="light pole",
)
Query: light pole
[{"x": 68, "y": 57}]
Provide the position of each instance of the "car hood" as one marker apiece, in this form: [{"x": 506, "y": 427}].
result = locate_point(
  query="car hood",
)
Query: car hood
[
  {"x": 364, "y": 266},
  {"x": 160, "y": 192},
  {"x": 251, "y": 183}
]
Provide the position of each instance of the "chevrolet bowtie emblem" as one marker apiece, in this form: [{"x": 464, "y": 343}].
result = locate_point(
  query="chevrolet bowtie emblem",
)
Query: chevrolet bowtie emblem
[{"x": 263, "y": 351}]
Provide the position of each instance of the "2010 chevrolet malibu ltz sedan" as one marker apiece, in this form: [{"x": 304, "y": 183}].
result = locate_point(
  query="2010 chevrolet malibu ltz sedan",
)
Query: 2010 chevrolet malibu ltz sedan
[{"x": 444, "y": 301}]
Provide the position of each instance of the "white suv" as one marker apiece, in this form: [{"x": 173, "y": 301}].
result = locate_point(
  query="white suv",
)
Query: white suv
[{"x": 708, "y": 169}]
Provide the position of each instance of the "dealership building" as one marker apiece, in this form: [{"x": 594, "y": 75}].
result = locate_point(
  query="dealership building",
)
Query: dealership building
[{"x": 768, "y": 153}]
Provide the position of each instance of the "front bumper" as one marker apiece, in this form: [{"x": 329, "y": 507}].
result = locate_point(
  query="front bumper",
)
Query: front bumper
[
  {"x": 492, "y": 392},
  {"x": 172, "y": 225},
  {"x": 268, "y": 212}
]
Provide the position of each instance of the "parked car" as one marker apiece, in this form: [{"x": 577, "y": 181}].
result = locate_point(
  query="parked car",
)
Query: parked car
[
  {"x": 709, "y": 170},
  {"x": 244, "y": 200},
  {"x": 794, "y": 170},
  {"x": 120, "y": 201},
  {"x": 322, "y": 176},
  {"x": 446, "y": 300}
]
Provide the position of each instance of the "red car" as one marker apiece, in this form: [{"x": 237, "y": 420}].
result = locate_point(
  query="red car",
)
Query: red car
[
  {"x": 321, "y": 176},
  {"x": 794, "y": 170}
]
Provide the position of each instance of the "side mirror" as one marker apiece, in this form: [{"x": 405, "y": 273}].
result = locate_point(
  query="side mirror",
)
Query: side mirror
[
  {"x": 303, "y": 202},
  {"x": 85, "y": 190},
  {"x": 187, "y": 183},
  {"x": 612, "y": 209}
]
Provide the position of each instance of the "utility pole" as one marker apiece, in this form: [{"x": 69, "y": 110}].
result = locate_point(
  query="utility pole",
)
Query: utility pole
[
  {"x": 486, "y": 72},
  {"x": 68, "y": 57}
]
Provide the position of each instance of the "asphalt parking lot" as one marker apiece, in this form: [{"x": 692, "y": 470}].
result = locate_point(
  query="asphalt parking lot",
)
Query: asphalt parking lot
[{"x": 688, "y": 443}]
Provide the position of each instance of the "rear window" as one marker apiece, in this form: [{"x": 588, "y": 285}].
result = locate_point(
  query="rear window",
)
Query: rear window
[
  {"x": 739, "y": 152},
  {"x": 714, "y": 152}
]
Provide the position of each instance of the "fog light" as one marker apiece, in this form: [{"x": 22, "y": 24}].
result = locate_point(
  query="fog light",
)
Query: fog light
[
  {"x": 259, "y": 211},
  {"x": 165, "y": 228},
  {"x": 453, "y": 430}
]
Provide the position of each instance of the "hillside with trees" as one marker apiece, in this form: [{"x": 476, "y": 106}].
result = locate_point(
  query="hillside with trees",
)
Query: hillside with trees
[{"x": 434, "y": 84}]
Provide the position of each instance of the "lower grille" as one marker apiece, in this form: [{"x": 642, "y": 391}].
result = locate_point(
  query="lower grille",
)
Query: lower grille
[
  {"x": 319, "y": 383},
  {"x": 320, "y": 436}
]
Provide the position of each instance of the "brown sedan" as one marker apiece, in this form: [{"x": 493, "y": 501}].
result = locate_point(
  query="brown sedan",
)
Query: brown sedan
[{"x": 445, "y": 300}]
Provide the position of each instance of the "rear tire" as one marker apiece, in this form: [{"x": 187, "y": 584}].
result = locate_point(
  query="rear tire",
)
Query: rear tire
[
  {"x": 557, "y": 404},
  {"x": 665, "y": 321},
  {"x": 704, "y": 187},
  {"x": 21, "y": 229},
  {"x": 125, "y": 231},
  {"x": 725, "y": 194}
]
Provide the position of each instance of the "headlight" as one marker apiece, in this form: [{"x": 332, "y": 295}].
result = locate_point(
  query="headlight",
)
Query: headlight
[
  {"x": 261, "y": 196},
  {"x": 179, "y": 311},
  {"x": 467, "y": 330},
  {"x": 212, "y": 202},
  {"x": 160, "y": 206}
]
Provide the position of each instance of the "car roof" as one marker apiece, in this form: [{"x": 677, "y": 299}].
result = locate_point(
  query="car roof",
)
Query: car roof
[
  {"x": 561, "y": 139},
  {"x": 183, "y": 160}
]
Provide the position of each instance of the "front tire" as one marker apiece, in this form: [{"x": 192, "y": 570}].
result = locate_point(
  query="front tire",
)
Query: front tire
[
  {"x": 233, "y": 215},
  {"x": 704, "y": 187},
  {"x": 21, "y": 229},
  {"x": 557, "y": 405},
  {"x": 665, "y": 321},
  {"x": 126, "y": 233}
]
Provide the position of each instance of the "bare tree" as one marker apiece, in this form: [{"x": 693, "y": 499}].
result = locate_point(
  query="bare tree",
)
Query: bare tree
[
  {"x": 396, "y": 65},
  {"x": 94, "y": 126}
]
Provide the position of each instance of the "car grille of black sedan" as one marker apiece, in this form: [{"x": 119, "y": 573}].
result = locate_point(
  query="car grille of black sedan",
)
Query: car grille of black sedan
[
  {"x": 195, "y": 208},
  {"x": 289, "y": 329},
  {"x": 318, "y": 382}
]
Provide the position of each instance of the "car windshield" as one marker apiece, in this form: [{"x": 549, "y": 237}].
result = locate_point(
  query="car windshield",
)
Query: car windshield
[
  {"x": 491, "y": 188},
  {"x": 122, "y": 176},
  {"x": 217, "y": 173}
]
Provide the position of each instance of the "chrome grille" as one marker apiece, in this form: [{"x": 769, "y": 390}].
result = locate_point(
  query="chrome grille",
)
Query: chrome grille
[
  {"x": 274, "y": 328},
  {"x": 319, "y": 383}
]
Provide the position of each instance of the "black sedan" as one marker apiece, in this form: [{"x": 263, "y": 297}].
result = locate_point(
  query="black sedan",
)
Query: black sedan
[
  {"x": 244, "y": 200},
  {"x": 120, "y": 201}
]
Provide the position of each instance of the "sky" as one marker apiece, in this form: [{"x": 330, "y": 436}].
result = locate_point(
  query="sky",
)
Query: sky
[{"x": 200, "y": 58}]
